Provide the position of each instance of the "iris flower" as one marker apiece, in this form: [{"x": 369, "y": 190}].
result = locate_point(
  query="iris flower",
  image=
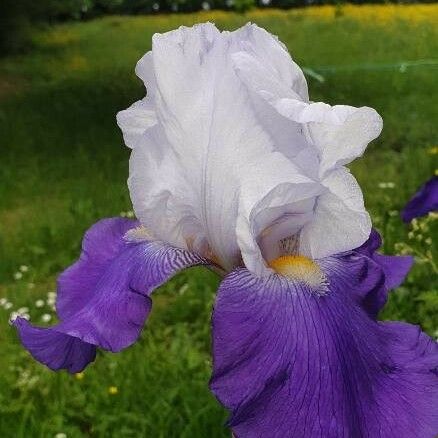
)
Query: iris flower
[
  {"x": 232, "y": 167},
  {"x": 423, "y": 202}
]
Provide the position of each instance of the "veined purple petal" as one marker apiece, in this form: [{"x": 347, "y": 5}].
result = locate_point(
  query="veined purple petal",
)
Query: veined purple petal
[
  {"x": 101, "y": 244},
  {"x": 395, "y": 268},
  {"x": 368, "y": 274},
  {"x": 104, "y": 297},
  {"x": 423, "y": 202},
  {"x": 289, "y": 362},
  {"x": 54, "y": 349}
]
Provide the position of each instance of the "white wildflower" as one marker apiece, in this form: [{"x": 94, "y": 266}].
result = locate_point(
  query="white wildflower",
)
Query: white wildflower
[
  {"x": 46, "y": 317},
  {"x": 183, "y": 289},
  {"x": 13, "y": 316},
  {"x": 386, "y": 185}
]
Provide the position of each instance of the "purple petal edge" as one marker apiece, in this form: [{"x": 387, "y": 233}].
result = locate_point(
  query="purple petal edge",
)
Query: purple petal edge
[
  {"x": 370, "y": 275},
  {"x": 103, "y": 299},
  {"x": 423, "y": 202},
  {"x": 54, "y": 349}
]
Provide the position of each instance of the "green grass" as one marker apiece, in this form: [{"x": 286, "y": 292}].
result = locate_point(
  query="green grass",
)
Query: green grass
[{"x": 63, "y": 167}]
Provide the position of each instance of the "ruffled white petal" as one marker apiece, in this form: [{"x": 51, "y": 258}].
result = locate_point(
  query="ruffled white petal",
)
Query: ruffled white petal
[
  {"x": 339, "y": 133},
  {"x": 262, "y": 47},
  {"x": 135, "y": 121},
  {"x": 340, "y": 222},
  {"x": 272, "y": 205},
  {"x": 211, "y": 141},
  {"x": 229, "y": 157}
]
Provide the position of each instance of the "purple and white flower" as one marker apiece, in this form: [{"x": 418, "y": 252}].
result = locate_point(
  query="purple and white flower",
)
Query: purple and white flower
[{"x": 232, "y": 167}]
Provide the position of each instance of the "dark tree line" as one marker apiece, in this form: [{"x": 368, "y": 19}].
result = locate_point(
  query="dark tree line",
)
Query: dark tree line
[{"x": 17, "y": 17}]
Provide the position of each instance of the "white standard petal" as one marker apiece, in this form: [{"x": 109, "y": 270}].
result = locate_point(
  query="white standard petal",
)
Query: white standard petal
[
  {"x": 141, "y": 115},
  {"x": 186, "y": 179},
  {"x": 159, "y": 192},
  {"x": 135, "y": 121},
  {"x": 231, "y": 160},
  {"x": 339, "y": 133},
  {"x": 268, "y": 50},
  {"x": 273, "y": 208},
  {"x": 340, "y": 221}
]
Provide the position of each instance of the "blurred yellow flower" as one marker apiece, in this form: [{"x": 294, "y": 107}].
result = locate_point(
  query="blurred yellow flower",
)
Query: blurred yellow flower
[
  {"x": 79, "y": 376},
  {"x": 113, "y": 390},
  {"x": 363, "y": 13}
]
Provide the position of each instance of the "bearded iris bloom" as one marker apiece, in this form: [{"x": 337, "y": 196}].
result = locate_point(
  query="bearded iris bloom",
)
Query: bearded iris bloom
[{"x": 232, "y": 167}]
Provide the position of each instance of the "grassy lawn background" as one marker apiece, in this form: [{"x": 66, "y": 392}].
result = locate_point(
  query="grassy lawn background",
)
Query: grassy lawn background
[{"x": 63, "y": 166}]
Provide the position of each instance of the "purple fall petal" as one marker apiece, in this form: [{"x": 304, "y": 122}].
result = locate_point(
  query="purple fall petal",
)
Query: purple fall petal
[
  {"x": 395, "y": 268},
  {"x": 423, "y": 202},
  {"x": 55, "y": 350},
  {"x": 368, "y": 274},
  {"x": 291, "y": 363},
  {"x": 104, "y": 297},
  {"x": 101, "y": 244}
]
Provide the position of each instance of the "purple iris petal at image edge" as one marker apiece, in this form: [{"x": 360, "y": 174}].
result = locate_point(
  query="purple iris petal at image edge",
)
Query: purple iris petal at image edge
[
  {"x": 292, "y": 361},
  {"x": 423, "y": 202},
  {"x": 103, "y": 299}
]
